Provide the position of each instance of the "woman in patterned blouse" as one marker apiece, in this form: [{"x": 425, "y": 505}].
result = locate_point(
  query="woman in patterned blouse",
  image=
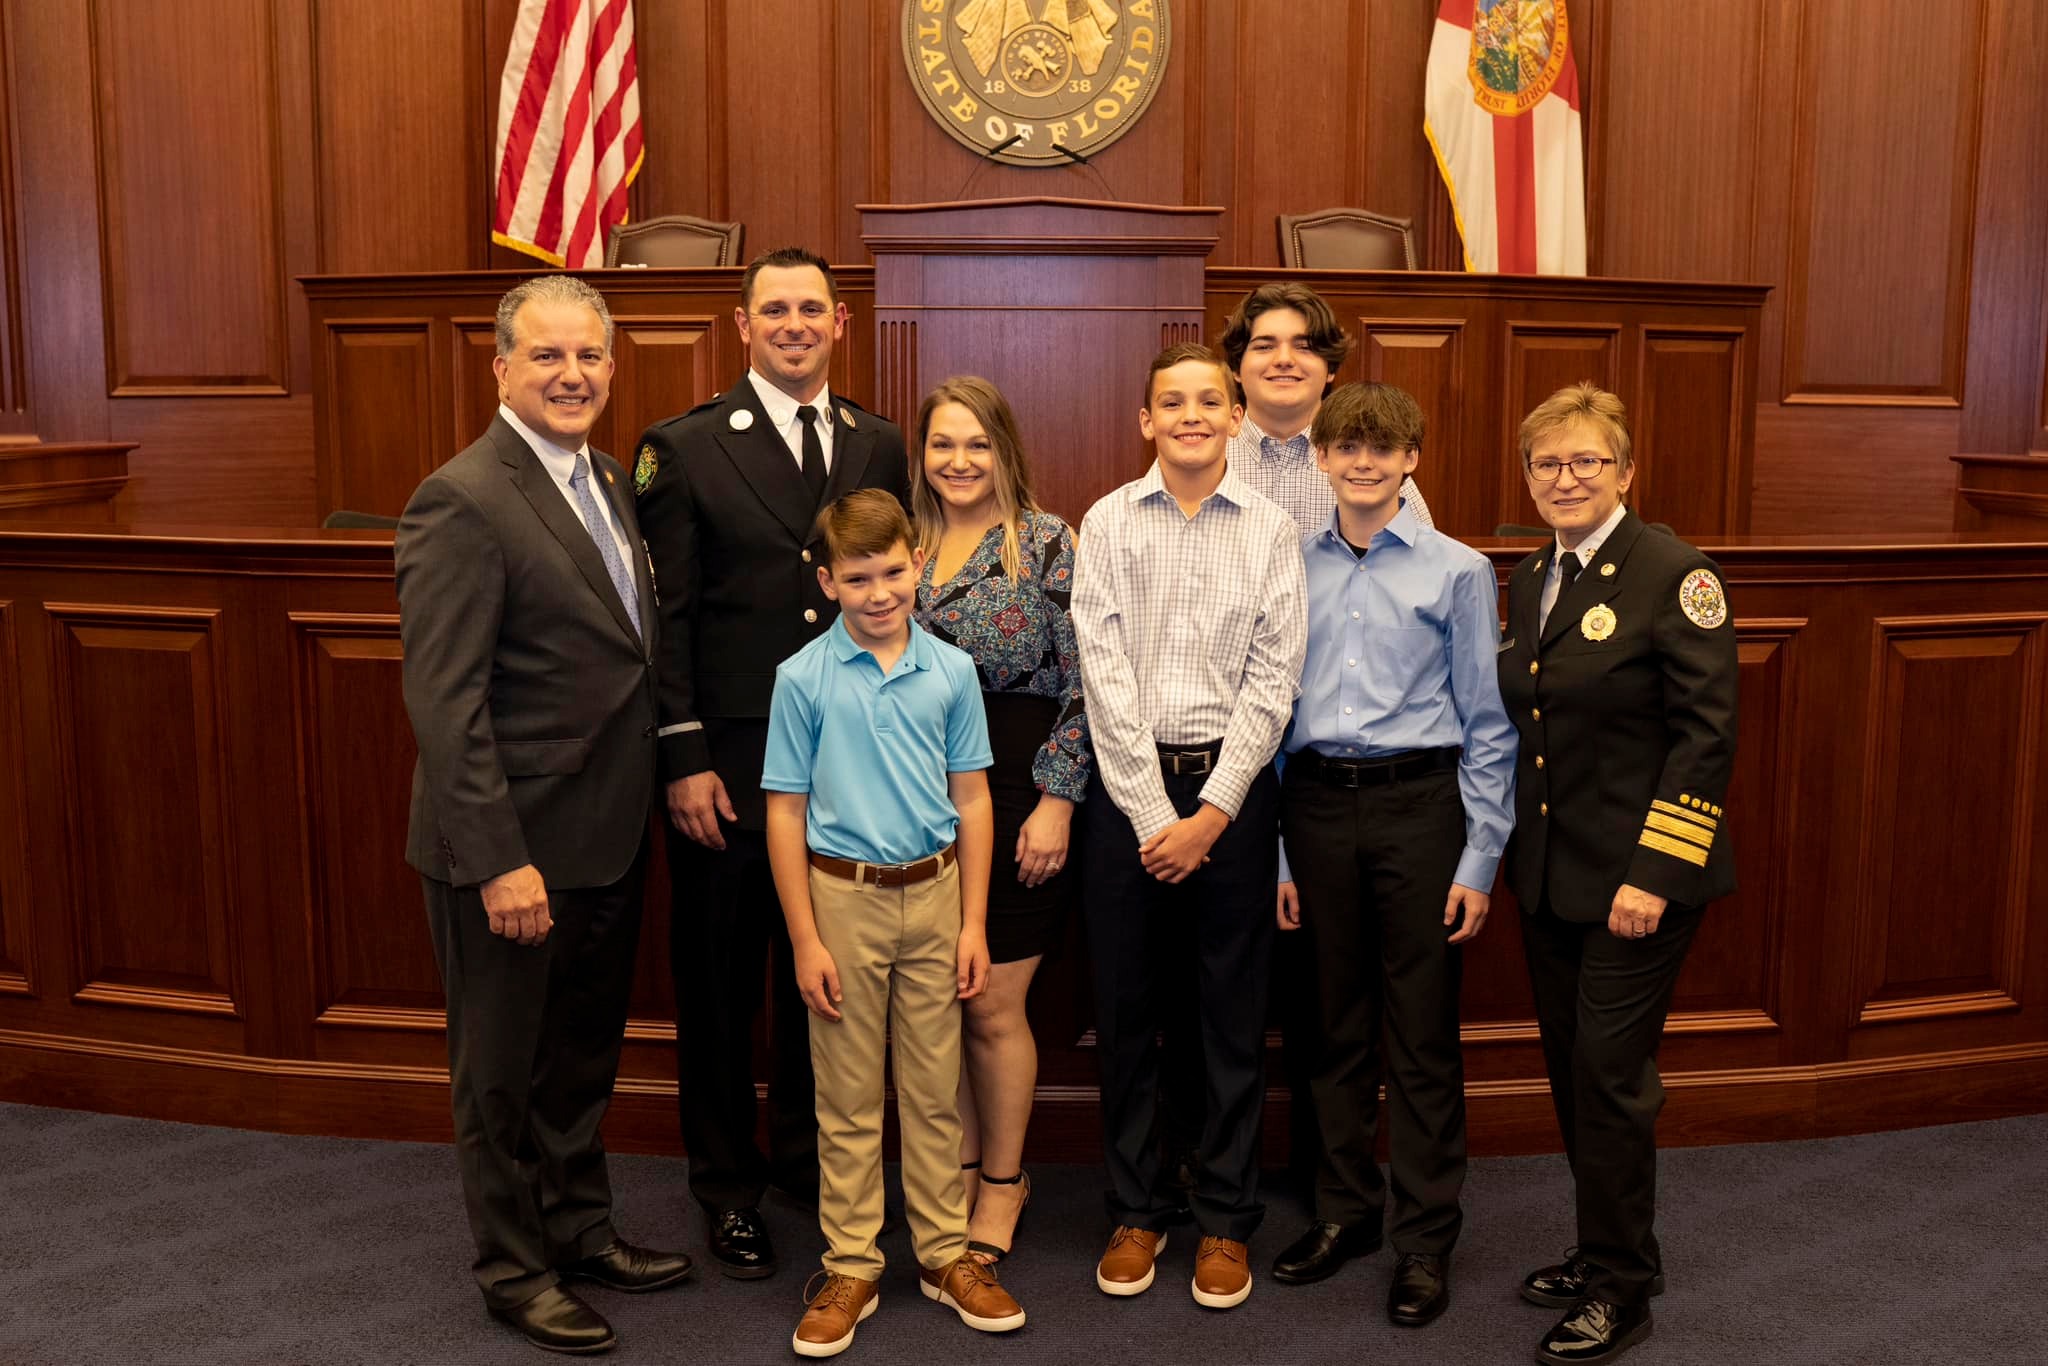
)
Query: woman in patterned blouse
[{"x": 997, "y": 574}]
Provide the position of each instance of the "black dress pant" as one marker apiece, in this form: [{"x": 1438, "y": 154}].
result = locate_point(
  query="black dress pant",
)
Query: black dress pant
[
  {"x": 1226, "y": 909},
  {"x": 1373, "y": 866},
  {"x": 726, "y": 932},
  {"x": 533, "y": 1051},
  {"x": 1601, "y": 1004}
]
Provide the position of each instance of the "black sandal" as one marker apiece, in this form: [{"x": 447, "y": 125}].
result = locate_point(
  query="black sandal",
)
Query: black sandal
[{"x": 993, "y": 1253}]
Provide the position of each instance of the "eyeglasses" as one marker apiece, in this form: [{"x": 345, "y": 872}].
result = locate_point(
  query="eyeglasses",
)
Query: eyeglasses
[{"x": 1583, "y": 467}]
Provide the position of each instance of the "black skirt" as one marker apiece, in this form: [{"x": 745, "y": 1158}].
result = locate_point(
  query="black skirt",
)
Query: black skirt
[{"x": 1023, "y": 922}]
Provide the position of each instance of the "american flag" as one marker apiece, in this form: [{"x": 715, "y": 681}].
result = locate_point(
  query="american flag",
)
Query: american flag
[{"x": 568, "y": 130}]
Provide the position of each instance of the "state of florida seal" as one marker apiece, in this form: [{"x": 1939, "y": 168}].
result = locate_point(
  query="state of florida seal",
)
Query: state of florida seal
[
  {"x": 1045, "y": 77},
  {"x": 1518, "y": 51}
]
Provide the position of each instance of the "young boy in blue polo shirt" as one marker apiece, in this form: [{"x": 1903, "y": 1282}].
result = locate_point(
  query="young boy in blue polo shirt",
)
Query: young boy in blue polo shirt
[{"x": 879, "y": 834}]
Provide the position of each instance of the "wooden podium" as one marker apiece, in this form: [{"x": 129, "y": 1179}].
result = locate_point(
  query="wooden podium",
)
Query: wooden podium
[{"x": 1061, "y": 302}]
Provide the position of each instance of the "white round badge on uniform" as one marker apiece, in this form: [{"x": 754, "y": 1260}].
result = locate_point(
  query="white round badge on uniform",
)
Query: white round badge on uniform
[
  {"x": 740, "y": 420},
  {"x": 1701, "y": 599}
]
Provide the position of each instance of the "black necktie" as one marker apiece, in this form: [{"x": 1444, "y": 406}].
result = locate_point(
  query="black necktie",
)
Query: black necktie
[
  {"x": 814, "y": 451},
  {"x": 1568, "y": 567}
]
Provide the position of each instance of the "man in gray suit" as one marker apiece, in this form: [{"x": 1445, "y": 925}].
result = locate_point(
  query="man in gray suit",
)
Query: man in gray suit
[{"x": 527, "y": 616}]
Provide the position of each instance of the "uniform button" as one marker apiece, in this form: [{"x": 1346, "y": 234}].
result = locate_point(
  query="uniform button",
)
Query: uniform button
[
  {"x": 1533, "y": 665},
  {"x": 807, "y": 557},
  {"x": 1535, "y": 713},
  {"x": 1543, "y": 808},
  {"x": 1539, "y": 761},
  {"x": 810, "y": 614}
]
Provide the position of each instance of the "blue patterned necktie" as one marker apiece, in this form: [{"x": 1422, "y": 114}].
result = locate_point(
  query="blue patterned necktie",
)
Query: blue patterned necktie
[{"x": 601, "y": 537}]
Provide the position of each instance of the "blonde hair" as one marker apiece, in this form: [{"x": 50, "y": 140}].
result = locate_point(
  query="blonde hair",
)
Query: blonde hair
[
  {"x": 1583, "y": 402},
  {"x": 1007, "y": 467}
]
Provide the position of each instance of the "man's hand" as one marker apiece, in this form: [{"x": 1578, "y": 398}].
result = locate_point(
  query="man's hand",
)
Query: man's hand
[
  {"x": 1183, "y": 847},
  {"x": 817, "y": 977},
  {"x": 1636, "y": 913},
  {"x": 696, "y": 803},
  {"x": 517, "y": 904},
  {"x": 1474, "y": 903},
  {"x": 973, "y": 963},
  {"x": 1288, "y": 908}
]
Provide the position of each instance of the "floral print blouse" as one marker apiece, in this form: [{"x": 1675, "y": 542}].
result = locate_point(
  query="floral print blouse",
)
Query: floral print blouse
[{"x": 1021, "y": 635}]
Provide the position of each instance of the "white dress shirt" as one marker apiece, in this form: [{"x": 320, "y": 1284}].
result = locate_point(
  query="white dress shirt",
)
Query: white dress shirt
[
  {"x": 781, "y": 410},
  {"x": 1588, "y": 548},
  {"x": 1191, "y": 630},
  {"x": 1288, "y": 477},
  {"x": 561, "y": 467}
]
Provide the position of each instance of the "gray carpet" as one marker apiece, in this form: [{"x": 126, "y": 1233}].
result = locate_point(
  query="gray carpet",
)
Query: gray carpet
[{"x": 129, "y": 1241}]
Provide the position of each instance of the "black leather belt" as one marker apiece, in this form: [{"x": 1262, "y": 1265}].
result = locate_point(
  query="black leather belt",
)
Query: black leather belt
[
  {"x": 1393, "y": 768},
  {"x": 1184, "y": 760}
]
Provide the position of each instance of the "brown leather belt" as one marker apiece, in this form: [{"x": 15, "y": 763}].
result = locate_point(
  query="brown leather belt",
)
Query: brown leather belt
[{"x": 886, "y": 874}]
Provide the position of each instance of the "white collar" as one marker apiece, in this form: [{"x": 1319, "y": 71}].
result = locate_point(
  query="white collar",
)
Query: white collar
[
  {"x": 559, "y": 460},
  {"x": 1590, "y": 547},
  {"x": 781, "y": 408}
]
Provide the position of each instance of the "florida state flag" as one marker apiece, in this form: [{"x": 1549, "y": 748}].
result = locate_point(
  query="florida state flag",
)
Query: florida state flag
[{"x": 1502, "y": 114}]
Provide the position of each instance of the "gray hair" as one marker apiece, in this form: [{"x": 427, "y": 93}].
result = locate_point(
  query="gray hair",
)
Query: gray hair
[{"x": 552, "y": 289}]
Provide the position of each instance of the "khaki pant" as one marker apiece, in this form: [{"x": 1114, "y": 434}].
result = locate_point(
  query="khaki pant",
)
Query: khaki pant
[{"x": 895, "y": 949}]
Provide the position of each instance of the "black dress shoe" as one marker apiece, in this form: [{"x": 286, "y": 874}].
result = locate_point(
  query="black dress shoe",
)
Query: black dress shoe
[
  {"x": 740, "y": 1245},
  {"x": 1594, "y": 1331},
  {"x": 1564, "y": 1285},
  {"x": 1421, "y": 1289},
  {"x": 622, "y": 1266},
  {"x": 559, "y": 1322},
  {"x": 1320, "y": 1251}
]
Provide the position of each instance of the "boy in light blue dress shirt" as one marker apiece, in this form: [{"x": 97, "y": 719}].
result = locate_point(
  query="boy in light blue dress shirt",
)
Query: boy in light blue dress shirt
[{"x": 1397, "y": 774}]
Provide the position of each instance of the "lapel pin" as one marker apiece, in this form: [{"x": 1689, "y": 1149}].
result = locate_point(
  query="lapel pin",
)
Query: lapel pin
[
  {"x": 1539, "y": 564},
  {"x": 845, "y": 416},
  {"x": 740, "y": 420},
  {"x": 608, "y": 478},
  {"x": 1607, "y": 570}
]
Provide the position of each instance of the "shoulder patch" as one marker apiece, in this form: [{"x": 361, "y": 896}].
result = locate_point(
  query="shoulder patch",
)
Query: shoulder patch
[
  {"x": 1701, "y": 599},
  {"x": 645, "y": 467}
]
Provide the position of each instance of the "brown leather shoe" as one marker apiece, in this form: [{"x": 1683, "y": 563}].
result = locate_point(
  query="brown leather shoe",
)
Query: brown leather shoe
[
  {"x": 826, "y": 1328},
  {"x": 969, "y": 1289},
  {"x": 1126, "y": 1265},
  {"x": 1223, "y": 1273}
]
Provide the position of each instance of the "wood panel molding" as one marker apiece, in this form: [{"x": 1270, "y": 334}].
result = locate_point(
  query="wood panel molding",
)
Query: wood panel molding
[
  {"x": 192, "y": 226},
  {"x": 17, "y": 421},
  {"x": 1696, "y": 464},
  {"x": 378, "y": 377},
  {"x": 1858, "y": 329},
  {"x": 1983, "y": 677},
  {"x": 142, "y": 727},
  {"x": 17, "y": 953}
]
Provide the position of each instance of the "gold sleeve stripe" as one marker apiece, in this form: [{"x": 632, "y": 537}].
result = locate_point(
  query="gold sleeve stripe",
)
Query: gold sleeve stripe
[
  {"x": 1664, "y": 844},
  {"x": 1657, "y": 820},
  {"x": 1696, "y": 817}
]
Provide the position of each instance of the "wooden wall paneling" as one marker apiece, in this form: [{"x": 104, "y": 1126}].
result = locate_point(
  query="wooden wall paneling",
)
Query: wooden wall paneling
[
  {"x": 16, "y": 956},
  {"x": 372, "y": 960},
  {"x": 2009, "y": 258},
  {"x": 17, "y": 419},
  {"x": 400, "y": 141},
  {"x": 682, "y": 98},
  {"x": 473, "y": 347},
  {"x": 380, "y": 408},
  {"x": 666, "y": 366},
  {"x": 780, "y": 144},
  {"x": 1540, "y": 358},
  {"x": 1426, "y": 357},
  {"x": 191, "y": 226},
  {"x": 1299, "y": 108},
  {"x": 142, "y": 721},
  {"x": 1884, "y": 191},
  {"x": 229, "y": 461},
  {"x": 1673, "y": 194},
  {"x": 1690, "y": 428},
  {"x": 1822, "y": 470},
  {"x": 1399, "y": 173},
  {"x": 1946, "y": 885}
]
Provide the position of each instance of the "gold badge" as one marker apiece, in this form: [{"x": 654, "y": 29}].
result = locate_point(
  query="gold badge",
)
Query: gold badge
[
  {"x": 1539, "y": 564},
  {"x": 845, "y": 416},
  {"x": 1701, "y": 599},
  {"x": 1607, "y": 570},
  {"x": 1598, "y": 623},
  {"x": 1044, "y": 81}
]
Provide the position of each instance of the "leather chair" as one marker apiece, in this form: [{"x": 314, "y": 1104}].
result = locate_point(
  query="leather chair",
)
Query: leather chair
[
  {"x": 674, "y": 239},
  {"x": 1346, "y": 239}
]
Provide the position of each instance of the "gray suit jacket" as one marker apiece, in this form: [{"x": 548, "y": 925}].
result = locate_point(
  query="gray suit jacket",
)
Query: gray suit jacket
[{"x": 532, "y": 699}]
